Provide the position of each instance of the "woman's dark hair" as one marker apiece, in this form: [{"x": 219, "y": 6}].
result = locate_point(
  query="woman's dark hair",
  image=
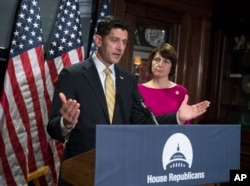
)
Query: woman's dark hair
[
  {"x": 108, "y": 23},
  {"x": 167, "y": 51}
]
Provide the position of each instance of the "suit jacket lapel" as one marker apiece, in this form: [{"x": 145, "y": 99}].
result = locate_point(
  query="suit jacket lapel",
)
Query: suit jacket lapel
[
  {"x": 118, "y": 115},
  {"x": 91, "y": 74}
]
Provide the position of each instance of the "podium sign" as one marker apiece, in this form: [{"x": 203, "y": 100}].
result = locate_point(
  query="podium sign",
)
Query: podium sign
[{"x": 132, "y": 155}]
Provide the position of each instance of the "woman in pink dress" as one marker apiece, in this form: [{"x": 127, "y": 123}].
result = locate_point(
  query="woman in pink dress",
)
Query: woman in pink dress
[{"x": 160, "y": 94}]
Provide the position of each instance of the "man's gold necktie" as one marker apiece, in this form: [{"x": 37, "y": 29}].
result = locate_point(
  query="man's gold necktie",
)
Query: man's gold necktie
[{"x": 110, "y": 93}]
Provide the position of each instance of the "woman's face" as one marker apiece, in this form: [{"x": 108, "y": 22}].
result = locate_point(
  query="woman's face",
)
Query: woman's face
[{"x": 161, "y": 67}]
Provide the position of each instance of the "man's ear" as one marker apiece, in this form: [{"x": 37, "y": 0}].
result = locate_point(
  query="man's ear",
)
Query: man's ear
[{"x": 98, "y": 40}]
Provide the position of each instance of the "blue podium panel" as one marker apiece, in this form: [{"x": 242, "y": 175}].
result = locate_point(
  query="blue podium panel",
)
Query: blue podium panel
[{"x": 141, "y": 155}]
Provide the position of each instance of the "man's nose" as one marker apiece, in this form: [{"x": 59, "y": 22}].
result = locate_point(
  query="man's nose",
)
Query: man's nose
[{"x": 121, "y": 46}]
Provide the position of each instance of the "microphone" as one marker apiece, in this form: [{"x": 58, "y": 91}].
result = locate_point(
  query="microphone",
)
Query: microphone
[{"x": 146, "y": 110}]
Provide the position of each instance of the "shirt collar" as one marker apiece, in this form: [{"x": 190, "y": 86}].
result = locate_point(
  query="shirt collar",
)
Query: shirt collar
[{"x": 100, "y": 66}]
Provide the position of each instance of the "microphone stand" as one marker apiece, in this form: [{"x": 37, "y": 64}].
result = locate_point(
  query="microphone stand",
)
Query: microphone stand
[
  {"x": 151, "y": 116},
  {"x": 146, "y": 110}
]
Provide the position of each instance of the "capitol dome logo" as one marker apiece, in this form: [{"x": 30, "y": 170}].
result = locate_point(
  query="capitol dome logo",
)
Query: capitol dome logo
[{"x": 177, "y": 152}]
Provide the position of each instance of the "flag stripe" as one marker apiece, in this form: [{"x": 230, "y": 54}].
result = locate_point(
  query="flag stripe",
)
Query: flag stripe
[
  {"x": 5, "y": 166},
  {"x": 15, "y": 72},
  {"x": 18, "y": 159},
  {"x": 29, "y": 113},
  {"x": 53, "y": 74},
  {"x": 11, "y": 141},
  {"x": 56, "y": 65}
]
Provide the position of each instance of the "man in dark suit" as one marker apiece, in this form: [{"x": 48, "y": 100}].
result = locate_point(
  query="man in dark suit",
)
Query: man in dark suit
[{"x": 79, "y": 102}]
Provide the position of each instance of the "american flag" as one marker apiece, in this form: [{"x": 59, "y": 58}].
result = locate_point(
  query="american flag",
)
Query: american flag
[
  {"x": 25, "y": 146},
  {"x": 66, "y": 45},
  {"x": 104, "y": 11}
]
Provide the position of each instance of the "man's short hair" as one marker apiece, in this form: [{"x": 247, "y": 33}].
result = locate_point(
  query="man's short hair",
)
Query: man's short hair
[{"x": 109, "y": 22}]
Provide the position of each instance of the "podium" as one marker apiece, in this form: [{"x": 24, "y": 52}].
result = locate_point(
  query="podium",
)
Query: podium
[
  {"x": 157, "y": 155},
  {"x": 80, "y": 169}
]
